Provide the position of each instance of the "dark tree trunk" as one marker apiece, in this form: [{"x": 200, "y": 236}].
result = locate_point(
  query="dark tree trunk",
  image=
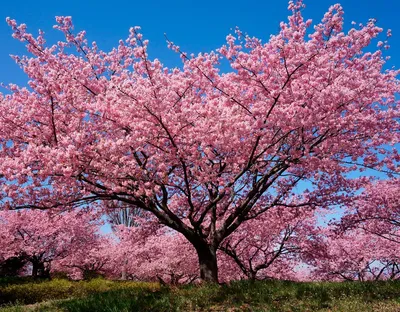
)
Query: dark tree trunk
[
  {"x": 35, "y": 269},
  {"x": 39, "y": 270},
  {"x": 207, "y": 263},
  {"x": 252, "y": 276}
]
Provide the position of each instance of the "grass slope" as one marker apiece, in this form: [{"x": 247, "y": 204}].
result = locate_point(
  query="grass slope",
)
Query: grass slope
[{"x": 103, "y": 295}]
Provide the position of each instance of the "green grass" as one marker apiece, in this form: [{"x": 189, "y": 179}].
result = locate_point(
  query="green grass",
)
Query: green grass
[{"x": 103, "y": 295}]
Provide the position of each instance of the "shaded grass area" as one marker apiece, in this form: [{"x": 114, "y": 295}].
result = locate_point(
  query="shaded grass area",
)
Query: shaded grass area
[
  {"x": 28, "y": 291},
  {"x": 103, "y": 295}
]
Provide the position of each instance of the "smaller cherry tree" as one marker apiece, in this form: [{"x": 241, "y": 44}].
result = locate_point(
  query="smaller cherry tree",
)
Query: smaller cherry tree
[
  {"x": 121, "y": 214},
  {"x": 270, "y": 245},
  {"x": 42, "y": 237},
  {"x": 95, "y": 259},
  {"x": 376, "y": 210},
  {"x": 355, "y": 255},
  {"x": 156, "y": 254}
]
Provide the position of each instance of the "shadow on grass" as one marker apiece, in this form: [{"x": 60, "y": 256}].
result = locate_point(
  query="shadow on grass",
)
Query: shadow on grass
[{"x": 121, "y": 300}]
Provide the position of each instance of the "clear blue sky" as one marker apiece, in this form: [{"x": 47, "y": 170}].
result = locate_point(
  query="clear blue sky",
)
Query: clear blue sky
[{"x": 194, "y": 25}]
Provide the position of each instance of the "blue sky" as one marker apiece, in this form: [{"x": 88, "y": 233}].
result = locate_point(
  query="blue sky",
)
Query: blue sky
[{"x": 194, "y": 25}]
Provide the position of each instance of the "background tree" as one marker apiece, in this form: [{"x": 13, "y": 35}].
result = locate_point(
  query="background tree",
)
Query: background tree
[
  {"x": 270, "y": 246},
  {"x": 376, "y": 210},
  {"x": 355, "y": 255},
  {"x": 96, "y": 258},
  {"x": 158, "y": 255},
  {"x": 41, "y": 237},
  {"x": 122, "y": 215}
]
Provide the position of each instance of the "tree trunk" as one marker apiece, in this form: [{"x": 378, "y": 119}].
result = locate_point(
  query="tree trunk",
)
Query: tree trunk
[
  {"x": 123, "y": 273},
  {"x": 252, "y": 276},
  {"x": 35, "y": 269},
  {"x": 39, "y": 269},
  {"x": 207, "y": 263}
]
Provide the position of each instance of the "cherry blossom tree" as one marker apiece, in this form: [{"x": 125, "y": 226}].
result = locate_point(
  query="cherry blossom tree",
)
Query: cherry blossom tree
[
  {"x": 376, "y": 210},
  {"x": 364, "y": 243},
  {"x": 41, "y": 237},
  {"x": 270, "y": 245},
  {"x": 203, "y": 151},
  {"x": 355, "y": 255},
  {"x": 159, "y": 255},
  {"x": 95, "y": 258},
  {"x": 125, "y": 216}
]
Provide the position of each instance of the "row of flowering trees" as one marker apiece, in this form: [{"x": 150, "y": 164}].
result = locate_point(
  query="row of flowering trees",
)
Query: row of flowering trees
[
  {"x": 216, "y": 162},
  {"x": 292, "y": 247}
]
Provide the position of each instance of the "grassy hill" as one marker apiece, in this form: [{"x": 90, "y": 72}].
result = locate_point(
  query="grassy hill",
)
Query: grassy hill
[{"x": 103, "y": 295}]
